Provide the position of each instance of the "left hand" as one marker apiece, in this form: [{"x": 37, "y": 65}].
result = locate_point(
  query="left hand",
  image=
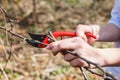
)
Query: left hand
[{"x": 79, "y": 46}]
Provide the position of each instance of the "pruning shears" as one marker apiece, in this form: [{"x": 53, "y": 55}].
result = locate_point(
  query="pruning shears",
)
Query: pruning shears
[{"x": 40, "y": 41}]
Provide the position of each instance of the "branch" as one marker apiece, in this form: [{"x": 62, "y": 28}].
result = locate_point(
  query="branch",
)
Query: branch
[
  {"x": 13, "y": 33},
  {"x": 3, "y": 72}
]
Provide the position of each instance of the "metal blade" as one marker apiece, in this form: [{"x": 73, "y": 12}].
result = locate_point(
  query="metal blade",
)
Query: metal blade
[
  {"x": 35, "y": 43},
  {"x": 37, "y": 37}
]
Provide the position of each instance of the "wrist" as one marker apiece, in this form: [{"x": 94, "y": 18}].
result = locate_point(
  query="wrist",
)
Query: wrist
[
  {"x": 103, "y": 61},
  {"x": 109, "y": 57}
]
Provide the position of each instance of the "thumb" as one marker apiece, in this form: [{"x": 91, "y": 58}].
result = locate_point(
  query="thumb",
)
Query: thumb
[{"x": 82, "y": 35}]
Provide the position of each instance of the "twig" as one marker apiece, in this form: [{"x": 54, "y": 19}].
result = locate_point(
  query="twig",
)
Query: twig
[
  {"x": 6, "y": 16},
  {"x": 52, "y": 36},
  {"x": 5, "y": 21},
  {"x": 16, "y": 2},
  {"x": 3, "y": 72},
  {"x": 84, "y": 74},
  {"x": 11, "y": 32},
  {"x": 35, "y": 12},
  {"x": 8, "y": 20}
]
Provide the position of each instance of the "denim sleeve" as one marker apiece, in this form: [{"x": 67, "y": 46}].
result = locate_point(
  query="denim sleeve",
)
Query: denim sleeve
[{"x": 115, "y": 14}]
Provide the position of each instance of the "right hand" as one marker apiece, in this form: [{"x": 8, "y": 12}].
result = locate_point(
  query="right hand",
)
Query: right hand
[{"x": 81, "y": 29}]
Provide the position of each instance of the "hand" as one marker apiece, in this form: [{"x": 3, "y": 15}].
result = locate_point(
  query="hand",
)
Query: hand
[
  {"x": 81, "y": 29},
  {"x": 79, "y": 46}
]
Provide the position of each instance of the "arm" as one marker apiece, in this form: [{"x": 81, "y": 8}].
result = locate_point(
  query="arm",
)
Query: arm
[
  {"x": 110, "y": 32},
  {"x": 111, "y": 56}
]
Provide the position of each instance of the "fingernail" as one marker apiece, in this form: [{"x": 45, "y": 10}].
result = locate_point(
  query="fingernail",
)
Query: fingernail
[{"x": 48, "y": 47}]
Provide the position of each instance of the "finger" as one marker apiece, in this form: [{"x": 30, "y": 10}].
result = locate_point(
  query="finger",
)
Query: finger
[
  {"x": 78, "y": 63},
  {"x": 53, "y": 44},
  {"x": 69, "y": 57},
  {"x": 64, "y": 46},
  {"x": 67, "y": 44},
  {"x": 80, "y": 32},
  {"x": 90, "y": 40},
  {"x": 82, "y": 35}
]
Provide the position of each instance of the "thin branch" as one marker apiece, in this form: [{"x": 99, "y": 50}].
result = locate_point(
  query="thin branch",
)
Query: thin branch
[
  {"x": 35, "y": 12},
  {"x": 6, "y": 16},
  {"x": 3, "y": 72},
  {"x": 11, "y": 32},
  {"x": 17, "y": 4},
  {"x": 7, "y": 19},
  {"x": 4, "y": 49}
]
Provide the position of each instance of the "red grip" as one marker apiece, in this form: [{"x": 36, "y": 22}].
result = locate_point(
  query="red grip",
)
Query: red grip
[
  {"x": 72, "y": 34},
  {"x": 59, "y": 34},
  {"x": 90, "y": 35}
]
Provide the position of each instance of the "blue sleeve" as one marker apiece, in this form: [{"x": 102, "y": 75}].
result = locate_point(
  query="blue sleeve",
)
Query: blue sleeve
[{"x": 115, "y": 19}]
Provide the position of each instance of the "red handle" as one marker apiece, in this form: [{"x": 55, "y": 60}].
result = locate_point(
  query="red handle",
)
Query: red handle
[
  {"x": 60, "y": 34},
  {"x": 72, "y": 34}
]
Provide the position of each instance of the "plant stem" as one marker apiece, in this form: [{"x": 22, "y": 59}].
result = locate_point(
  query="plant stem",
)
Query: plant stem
[{"x": 11, "y": 32}]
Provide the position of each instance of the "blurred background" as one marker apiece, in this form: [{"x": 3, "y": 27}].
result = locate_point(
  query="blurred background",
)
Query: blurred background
[{"x": 20, "y": 61}]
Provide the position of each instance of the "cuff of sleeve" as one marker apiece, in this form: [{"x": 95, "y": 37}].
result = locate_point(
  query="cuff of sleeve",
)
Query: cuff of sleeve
[{"x": 115, "y": 21}]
